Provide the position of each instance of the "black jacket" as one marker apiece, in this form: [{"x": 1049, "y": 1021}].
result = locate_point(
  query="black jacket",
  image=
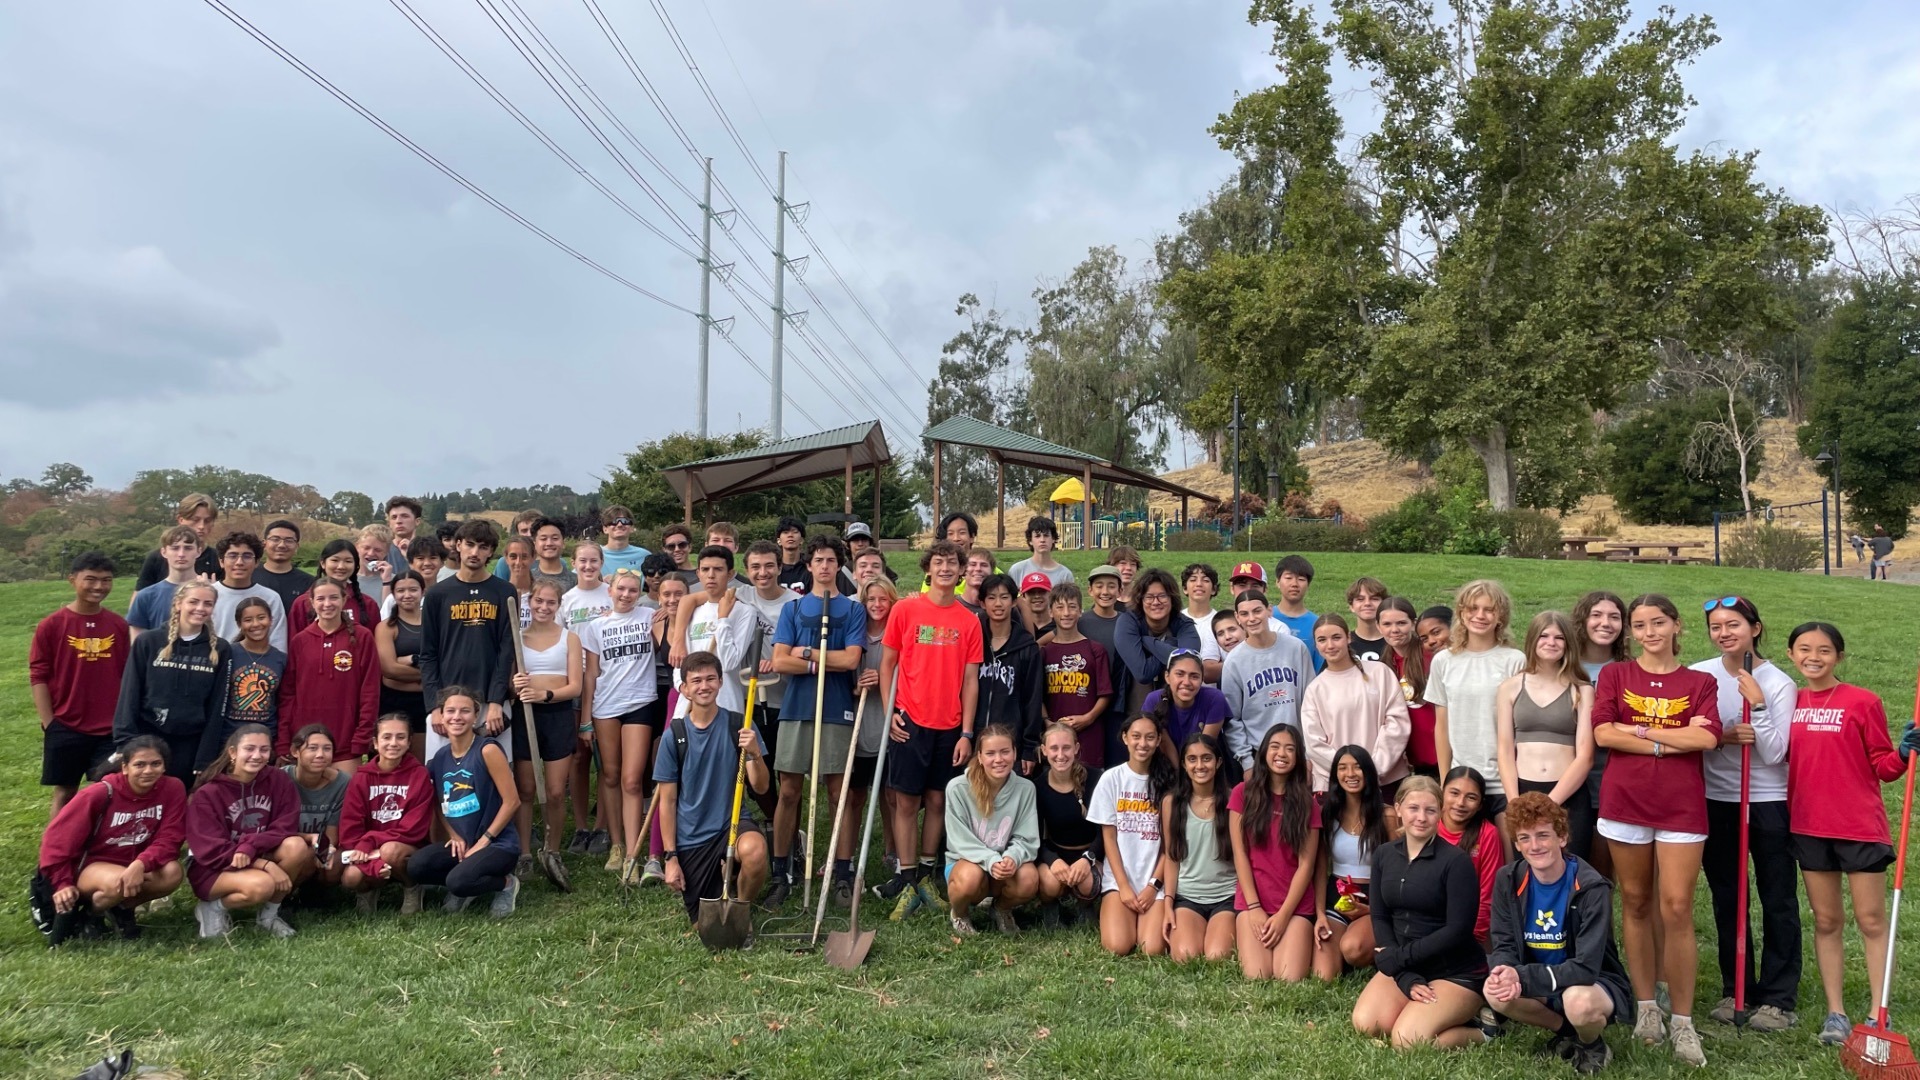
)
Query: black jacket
[
  {"x": 1013, "y": 681},
  {"x": 1423, "y": 914},
  {"x": 181, "y": 697},
  {"x": 1591, "y": 957}
]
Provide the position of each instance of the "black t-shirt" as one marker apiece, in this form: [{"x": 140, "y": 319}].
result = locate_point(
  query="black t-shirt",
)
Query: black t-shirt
[
  {"x": 1363, "y": 648},
  {"x": 290, "y": 586},
  {"x": 155, "y": 567},
  {"x": 797, "y": 577},
  {"x": 1063, "y": 816}
]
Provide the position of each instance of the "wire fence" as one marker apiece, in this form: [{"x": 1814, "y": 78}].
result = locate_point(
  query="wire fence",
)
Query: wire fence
[{"x": 1781, "y": 536}]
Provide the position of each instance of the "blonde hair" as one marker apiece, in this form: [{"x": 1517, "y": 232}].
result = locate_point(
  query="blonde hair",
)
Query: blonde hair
[
  {"x": 378, "y": 533},
  {"x": 1485, "y": 590},
  {"x": 1569, "y": 667},
  {"x": 173, "y": 622},
  {"x": 879, "y": 584},
  {"x": 1418, "y": 782},
  {"x": 977, "y": 772}
]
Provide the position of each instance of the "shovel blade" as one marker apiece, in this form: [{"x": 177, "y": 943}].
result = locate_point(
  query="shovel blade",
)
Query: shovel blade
[
  {"x": 724, "y": 924},
  {"x": 847, "y": 949}
]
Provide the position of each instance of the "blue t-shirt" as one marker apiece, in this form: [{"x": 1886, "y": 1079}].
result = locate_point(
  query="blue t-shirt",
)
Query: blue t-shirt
[
  {"x": 705, "y": 801},
  {"x": 468, "y": 799},
  {"x": 1546, "y": 912},
  {"x": 799, "y": 627},
  {"x": 151, "y": 606},
  {"x": 627, "y": 558},
  {"x": 1302, "y": 627}
]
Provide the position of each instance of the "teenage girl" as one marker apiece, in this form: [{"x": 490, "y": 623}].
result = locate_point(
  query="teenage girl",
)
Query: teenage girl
[
  {"x": 1659, "y": 717},
  {"x": 1544, "y": 726},
  {"x": 1600, "y": 634},
  {"x": 385, "y": 817},
  {"x": 552, "y": 675},
  {"x": 1124, "y": 805},
  {"x": 1464, "y": 684},
  {"x": 1199, "y": 855},
  {"x": 333, "y": 678},
  {"x": 1352, "y": 701},
  {"x": 1467, "y": 824},
  {"x": 478, "y": 799},
  {"x": 339, "y": 563},
  {"x": 172, "y": 687},
  {"x": 254, "y": 669},
  {"x": 619, "y": 652},
  {"x": 878, "y": 597},
  {"x": 1355, "y": 822},
  {"x": 1766, "y": 697},
  {"x": 243, "y": 827},
  {"x": 322, "y": 790},
  {"x": 1276, "y": 851},
  {"x": 992, "y": 834},
  {"x": 116, "y": 845},
  {"x": 1069, "y": 844},
  {"x": 518, "y": 559},
  {"x": 1837, "y": 757},
  {"x": 1429, "y": 967},
  {"x": 1187, "y": 705},
  {"x": 397, "y": 640},
  {"x": 1435, "y": 628},
  {"x": 1410, "y": 660}
]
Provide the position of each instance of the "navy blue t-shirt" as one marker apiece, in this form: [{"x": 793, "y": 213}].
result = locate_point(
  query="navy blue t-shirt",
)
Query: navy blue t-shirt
[
  {"x": 1546, "y": 914},
  {"x": 799, "y": 628},
  {"x": 705, "y": 800},
  {"x": 468, "y": 799}
]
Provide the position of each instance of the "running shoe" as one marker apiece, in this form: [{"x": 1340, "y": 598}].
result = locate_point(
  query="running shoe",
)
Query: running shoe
[
  {"x": 892, "y": 887},
  {"x": 1649, "y": 1026},
  {"x": 599, "y": 842},
  {"x": 961, "y": 924},
  {"x": 629, "y": 872},
  {"x": 653, "y": 873},
  {"x": 1556, "y": 1046},
  {"x": 910, "y": 901},
  {"x": 213, "y": 918},
  {"x": 1686, "y": 1045},
  {"x": 65, "y": 925},
  {"x": 578, "y": 842},
  {"x": 1590, "y": 1058},
  {"x": 1722, "y": 1012},
  {"x": 1003, "y": 921},
  {"x": 524, "y": 867},
  {"x": 503, "y": 901},
  {"x": 1772, "y": 1018},
  {"x": 843, "y": 894},
  {"x": 616, "y": 858},
  {"x": 124, "y": 922},
  {"x": 1050, "y": 917},
  {"x": 456, "y": 904},
  {"x": 777, "y": 893},
  {"x": 270, "y": 921},
  {"x": 410, "y": 900},
  {"x": 367, "y": 903},
  {"x": 1833, "y": 1032},
  {"x": 1491, "y": 1023}
]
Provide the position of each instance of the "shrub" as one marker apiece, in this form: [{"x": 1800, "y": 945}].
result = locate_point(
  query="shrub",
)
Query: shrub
[
  {"x": 1769, "y": 547},
  {"x": 1252, "y": 507},
  {"x": 1472, "y": 529},
  {"x": 1283, "y": 535},
  {"x": 1193, "y": 540},
  {"x": 1647, "y": 472},
  {"x": 1530, "y": 534},
  {"x": 1412, "y": 528}
]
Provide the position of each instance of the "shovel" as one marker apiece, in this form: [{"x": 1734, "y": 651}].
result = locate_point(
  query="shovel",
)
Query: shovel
[
  {"x": 840, "y": 811},
  {"x": 727, "y": 923},
  {"x": 847, "y": 949}
]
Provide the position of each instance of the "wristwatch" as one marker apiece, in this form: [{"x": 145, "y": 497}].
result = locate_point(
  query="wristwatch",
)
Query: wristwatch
[
  {"x": 966, "y": 735},
  {"x": 1156, "y": 883},
  {"x": 668, "y": 856}
]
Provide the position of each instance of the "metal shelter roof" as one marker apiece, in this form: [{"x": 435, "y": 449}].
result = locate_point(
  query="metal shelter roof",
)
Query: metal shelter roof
[
  {"x": 826, "y": 455},
  {"x": 1018, "y": 448}
]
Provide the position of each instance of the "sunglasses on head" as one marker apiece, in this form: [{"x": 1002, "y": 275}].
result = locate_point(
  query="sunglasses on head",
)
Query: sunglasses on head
[
  {"x": 1724, "y": 602},
  {"x": 1178, "y": 653}
]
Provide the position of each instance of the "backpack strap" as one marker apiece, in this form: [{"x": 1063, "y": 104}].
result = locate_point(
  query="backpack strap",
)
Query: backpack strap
[{"x": 677, "y": 728}]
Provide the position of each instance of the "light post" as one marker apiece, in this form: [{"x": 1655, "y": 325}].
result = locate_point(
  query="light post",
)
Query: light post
[{"x": 1829, "y": 456}]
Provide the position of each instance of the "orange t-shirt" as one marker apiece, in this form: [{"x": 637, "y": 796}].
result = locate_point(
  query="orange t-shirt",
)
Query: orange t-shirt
[{"x": 935, "y": 644}]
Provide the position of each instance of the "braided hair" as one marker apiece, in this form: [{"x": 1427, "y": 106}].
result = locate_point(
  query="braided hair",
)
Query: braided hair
[{"x": 173, "y": 623}]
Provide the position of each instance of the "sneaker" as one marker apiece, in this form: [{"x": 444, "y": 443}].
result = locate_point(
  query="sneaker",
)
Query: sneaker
[
  {"x": 777, "y": 893},
  {"x": 842, "y": 894},
  {"x": 892, "y": 887},
  {"x": 1050, "y": 917},
  {"x": 67, "y": 924},
  {"x": 1722, "y": 1012},
  {"x": 367, "y": 902},
  {"x": 270, "y": 921},
  {"x": 653, "y": 873},
  {"x": 1490, "y": 1023},
  {"x": 910, "y": 901},
  {"x": 1590, "y": 1058},
  {"x": 629, "y": 872},
  {"x": 1686, "y": 1045},
  {"x": 1556, "y": 1046},
  {"x": 961, "y": 924},
  {"x": 1834, "y": 1030},
  {"x": 410, "y": 900},
  {"x": 616, "y": 858},
  {"x": 124, "y": 923},
  {"x": 930, "y": 893},
  {"x": 213, "y": 918},
  {"x": 504, "y": 900},
  {"x": 524, "y": 868},
  {"x": 1003, "y": 921},
  {"x": 1772, "y": 1018},
  {"x": 1649, "y": 1026},
  {"x": 578, "y": 842},
  {"x": 893, "y": 864},
  {"x": 456, "y": 904},
  {"x": 555, "y": 871},
  {"x": 599, "y": 842}
]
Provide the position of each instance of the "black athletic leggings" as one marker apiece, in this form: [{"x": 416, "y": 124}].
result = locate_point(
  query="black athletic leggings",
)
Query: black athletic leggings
[{"x": 485, "y": 871}]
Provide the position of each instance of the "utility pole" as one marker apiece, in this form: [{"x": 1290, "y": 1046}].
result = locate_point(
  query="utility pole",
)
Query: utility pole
[
  {"x": 779, "y": 293},
  {"x": 706, "y": 288},
  {"x": 1234, "y": 534}
]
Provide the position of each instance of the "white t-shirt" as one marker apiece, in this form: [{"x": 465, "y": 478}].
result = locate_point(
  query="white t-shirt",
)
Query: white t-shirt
[
  {"x": 624, "y": 644},
  {"x": 227, "y": 600},
  {"x": 1467, "y": 685},
  {"x": 767, "y": 614},
  {"x": 1121, "y": 799},
  {"x": 1768, "y": 775},
  {"x": 1056, "y": 573},
  {"x": 580, "y": 606},
  {"x": 731, "y": 639}
]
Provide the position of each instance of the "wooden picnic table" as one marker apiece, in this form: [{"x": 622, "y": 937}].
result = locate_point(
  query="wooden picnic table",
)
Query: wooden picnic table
[
  {"x": 1575, "y": 547},
  {"x": 1663, "y": 551}
]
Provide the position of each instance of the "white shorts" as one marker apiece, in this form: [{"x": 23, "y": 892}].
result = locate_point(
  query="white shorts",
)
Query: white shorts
[{"x": 1622, "y": 833}]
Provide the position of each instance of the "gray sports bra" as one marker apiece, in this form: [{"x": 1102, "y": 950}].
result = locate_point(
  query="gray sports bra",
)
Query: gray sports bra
[{"x": 1550, "y": 723}]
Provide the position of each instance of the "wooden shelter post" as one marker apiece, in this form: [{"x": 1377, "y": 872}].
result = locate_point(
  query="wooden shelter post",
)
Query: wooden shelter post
[
  {"x": 849, "y": 483},
  {"x": 999, "y": 503},
  {"x": 936, "y": 489}
]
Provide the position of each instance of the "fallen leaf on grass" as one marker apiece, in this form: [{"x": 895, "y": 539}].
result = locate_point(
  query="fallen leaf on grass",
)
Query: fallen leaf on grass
[
  {"x": 955, "y": 940},
  {"x": 1108, "y": 980},
  {"x": 1041, "y": 1033},
  {"x": 776, "y": 1026},
  {"x": 735, "y": 1041},
  {"x": 1006, "y": 959}
]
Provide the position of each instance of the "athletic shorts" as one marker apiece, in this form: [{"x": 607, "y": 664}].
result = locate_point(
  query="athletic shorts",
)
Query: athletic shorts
[
  {"x": 409, "y": 703},
  {"x": 794, "y": 747},
  {"x": 553, "y": 730},
  {"x": 924, "y": 762},
  {"x": 67, "y": 756},
  {"x": 701, "y": 866},
  {"x": 1495, "y": 803},
  {"x": 1618, "y": 993},
  {"x": 522, "y": 748},
  {"x": 1824, "y": 856},
  {"x": 863, "y": 772},
  {"x": 1205, "y": 911},
  {"x": 1622, "y": 833}
]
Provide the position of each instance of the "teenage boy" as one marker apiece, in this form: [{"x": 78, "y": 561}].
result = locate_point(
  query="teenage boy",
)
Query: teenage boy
[
  {"x": 936, "y": 645},
  {"x": 619, "y": 552},
  {"x": 403, "y": 519},
  {"x": 960, "y": 528},
  {"x": 1294, "y": 573},
  {"x": 815, "y": 678},
  {"x": 1200, "y": 582},
  {"x": 870, "y": 565},
  {"x": 677, "y": 541},
  {"x": 239, "y": 553},
  {"x": 196, "y": 512},
  {"x": 1263, "y": 679},
  {"x": 723, "y": 534},
  {"x": 979, "y": 569},
  {"x": 696, "y": 793},
  {"x": 1364, "y": 598},
  {"x": 1041, "y": 538},
  {"x": 768, "y": 599},
  {"x": 465, "y": 638},
  {"x": 1127, "y": 561},
  {"x": 151, "y": 606},
  {"x": 1036, "y": 611},
  {"x": 279, "y": 544},
  {"x": 789, "y": 535},
  {"x": 720, "y": 624},
  {"x": 73, "y": 667},
  {"x": 1099, "y": 624},
  {"x": 548, "y": 563},
  {"x": 1079, "y": 677},
  {"x": 1226, "y": 634}
]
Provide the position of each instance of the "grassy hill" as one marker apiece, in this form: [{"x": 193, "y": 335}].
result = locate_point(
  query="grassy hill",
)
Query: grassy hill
[{"x": 586, "y": 986}]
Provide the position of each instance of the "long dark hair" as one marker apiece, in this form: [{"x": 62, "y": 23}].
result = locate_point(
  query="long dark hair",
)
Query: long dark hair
[
  {"x": 1470, "y": 832},
  {"x": 1413, "y": 662},
  {"x": 224, "y": 760},
  {"x": 1160, "y": 771},
  {"x": 1618, "y": 650},
  {"x": 1373, "y": 809},
  {"x": 1296, "y": 792},
  {"x": 393, "y": 617},
  {"x": 1163, "y": 705},
  {"x": 1175, "y": 840},
  {"x": 334, "y": 547}
]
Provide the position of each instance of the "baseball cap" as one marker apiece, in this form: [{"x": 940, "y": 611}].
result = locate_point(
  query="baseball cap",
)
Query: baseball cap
[
  {"x": 1104, "y": 570},
  {"x": 1035, "y": 580},
  {"x": 1249, "y": 570},
  {"x": 859, "y": 528}
]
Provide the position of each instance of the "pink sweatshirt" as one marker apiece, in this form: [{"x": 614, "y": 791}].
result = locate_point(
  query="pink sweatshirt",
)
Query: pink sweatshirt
[{"x": 1363, "y": 706}]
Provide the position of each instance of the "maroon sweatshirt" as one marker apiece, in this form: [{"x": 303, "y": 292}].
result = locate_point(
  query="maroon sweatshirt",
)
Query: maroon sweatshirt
[
  {"x": 331, "y": 679},
  {"x": 383, "y": 807},
  {"x": 225, "y": 817},
  {"x": 108, "y": 823},
  {"x": 79, "y": 659}
]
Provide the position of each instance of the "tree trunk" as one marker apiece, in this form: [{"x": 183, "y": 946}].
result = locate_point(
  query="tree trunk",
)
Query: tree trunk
[
  {"x": 1491, "y": 445},
  {"x": 1741, "y": 447}
]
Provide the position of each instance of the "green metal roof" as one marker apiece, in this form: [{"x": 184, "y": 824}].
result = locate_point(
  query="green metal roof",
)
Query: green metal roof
[
  {"x": 979, "y": 433},
  {"x": 851, "y": 435},
  {"x": 820, "y": 456}
]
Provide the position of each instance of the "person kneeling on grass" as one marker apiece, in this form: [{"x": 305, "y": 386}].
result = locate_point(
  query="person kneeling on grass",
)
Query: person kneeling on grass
[
  {"x": 243, "y": 827},
  {"x": 993, "y": 835},
  {"x": 1554, "y": 962},
  {"x": 1199, "y": 855},
  {"x": 1069, "y": 860},
  {"x": 1126, "y": 806},
  {"x": 478, "y": 799},
  {"x": 385, "y": 817},
  {"x": 699, "y": 764},
  {"x": 116, "y": 845}
]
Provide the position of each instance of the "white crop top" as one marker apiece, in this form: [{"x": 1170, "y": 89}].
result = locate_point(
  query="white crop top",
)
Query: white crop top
[
  {"x": 549, "y": 661},
  {"x": 1348, "y": 860}
]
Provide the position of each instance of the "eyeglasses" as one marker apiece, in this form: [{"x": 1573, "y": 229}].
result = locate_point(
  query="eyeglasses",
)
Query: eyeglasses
[
  {"x": 681, "y": 546},
  {"x": 1724, "y": 602},
  {"x": 239, "y": 556},
  {"x": 621, "y": 521}
]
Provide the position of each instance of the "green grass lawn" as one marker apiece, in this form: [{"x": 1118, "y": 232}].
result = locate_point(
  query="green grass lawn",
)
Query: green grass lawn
[{"x": 581, "y": 986}]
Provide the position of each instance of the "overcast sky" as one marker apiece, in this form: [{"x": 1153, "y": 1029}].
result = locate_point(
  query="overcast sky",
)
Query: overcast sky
[{"x": 204, "y": 258}]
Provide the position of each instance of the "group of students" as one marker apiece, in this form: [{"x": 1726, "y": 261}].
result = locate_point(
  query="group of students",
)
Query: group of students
[{"x": 1393, "y": 788}]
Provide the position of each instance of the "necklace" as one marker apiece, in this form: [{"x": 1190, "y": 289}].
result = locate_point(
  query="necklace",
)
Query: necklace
[{"x": 1834, "y": 689}]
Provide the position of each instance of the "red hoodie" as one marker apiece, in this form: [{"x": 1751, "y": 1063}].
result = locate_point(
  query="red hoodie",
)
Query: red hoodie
[
  {"x": 108, "y": 823},
  {"x": 226, "y": 817},
  {"x": 331, "y": 679},
  {"x": 383, "y": 807}
]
